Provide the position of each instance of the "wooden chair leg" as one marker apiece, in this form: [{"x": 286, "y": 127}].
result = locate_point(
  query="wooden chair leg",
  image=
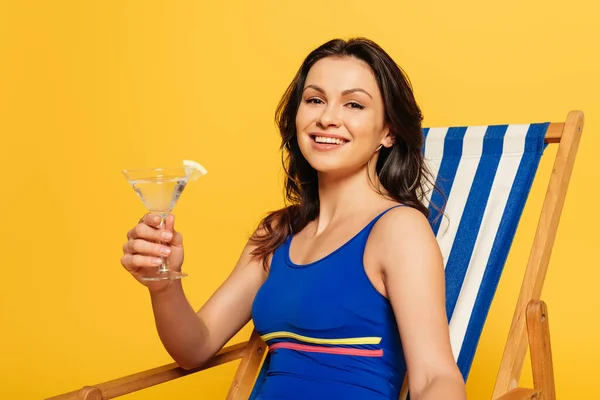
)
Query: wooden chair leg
[
  {"x": 244, "y": 378},
  {"x": 539, "y": 346},
  {"x": 541, "y": 250}
]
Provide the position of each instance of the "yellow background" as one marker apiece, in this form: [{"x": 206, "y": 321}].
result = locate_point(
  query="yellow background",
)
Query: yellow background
[{"x": 90, "y": 87}]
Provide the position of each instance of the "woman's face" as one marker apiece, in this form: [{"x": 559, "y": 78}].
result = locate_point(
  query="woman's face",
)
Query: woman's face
[{"x": 340, "y": 121}]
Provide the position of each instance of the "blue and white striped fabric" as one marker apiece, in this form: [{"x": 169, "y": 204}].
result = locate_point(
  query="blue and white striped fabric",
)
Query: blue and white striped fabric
[{"x": 486, "y": 173}]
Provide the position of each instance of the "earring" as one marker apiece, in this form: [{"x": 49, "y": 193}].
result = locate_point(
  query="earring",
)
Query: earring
[{"x": 379, "y": 148}]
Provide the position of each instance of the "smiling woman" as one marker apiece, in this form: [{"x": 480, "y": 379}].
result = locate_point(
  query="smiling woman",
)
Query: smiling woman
[
  {"x": 336, "y": 282},
  {"x": 351, "y": 91},
  {"x": 334, "y": 113}
]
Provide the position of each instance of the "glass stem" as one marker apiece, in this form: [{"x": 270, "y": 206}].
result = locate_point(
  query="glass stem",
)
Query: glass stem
[{"x": 164, "y": 267}]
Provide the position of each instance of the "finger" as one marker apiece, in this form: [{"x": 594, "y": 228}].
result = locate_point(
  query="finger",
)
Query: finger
[
  {"x": 152, "y": 220},
  {"x": 146, "y": 248},
  {"x": 176, "y": 239},
  {"x": 131, "y": 262},
  {"x": 170, "y": 223},
  {"x": 145, "y": 232}
]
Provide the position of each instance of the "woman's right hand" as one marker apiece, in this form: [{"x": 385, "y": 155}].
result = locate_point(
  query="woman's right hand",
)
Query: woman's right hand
[{"x": 146, "y": 243}]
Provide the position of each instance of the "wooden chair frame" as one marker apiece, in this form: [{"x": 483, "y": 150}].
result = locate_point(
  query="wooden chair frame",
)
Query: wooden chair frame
[{"x": 529, "y": 325}]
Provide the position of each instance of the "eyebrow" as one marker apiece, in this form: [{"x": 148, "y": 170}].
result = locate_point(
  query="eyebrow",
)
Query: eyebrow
[{"x": 344, "y": 93}]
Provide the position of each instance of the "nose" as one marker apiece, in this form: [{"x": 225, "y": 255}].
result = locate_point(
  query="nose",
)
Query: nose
[{"x": 329, "y": 117}]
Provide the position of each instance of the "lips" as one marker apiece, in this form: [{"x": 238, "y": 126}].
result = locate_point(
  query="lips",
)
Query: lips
[
  {"x": 328, "y": 139},
  {"x": 327, "y": 142}
]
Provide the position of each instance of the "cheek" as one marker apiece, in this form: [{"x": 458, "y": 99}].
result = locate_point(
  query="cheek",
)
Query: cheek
[
  {"x": 303, "y": 121},
  {"x": 362, "y": 128},
  {"x": 303, "y": 118}
]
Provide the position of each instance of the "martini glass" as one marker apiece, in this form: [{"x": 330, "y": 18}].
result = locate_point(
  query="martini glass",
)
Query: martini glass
[{"x": 159, "y": 189}]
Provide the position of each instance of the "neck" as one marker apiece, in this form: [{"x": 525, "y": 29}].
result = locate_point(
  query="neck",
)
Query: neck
[{"x": 343, "y": 195}]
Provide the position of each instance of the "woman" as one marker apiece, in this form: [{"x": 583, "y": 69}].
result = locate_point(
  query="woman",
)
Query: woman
[{"x": 346, "y": 284}]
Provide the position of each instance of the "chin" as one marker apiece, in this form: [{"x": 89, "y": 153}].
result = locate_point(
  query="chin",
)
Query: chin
[
  {"x": 326, "y": 163},
  {"x": 327, "y": 168},
  {"x": 327, "y": 158}
]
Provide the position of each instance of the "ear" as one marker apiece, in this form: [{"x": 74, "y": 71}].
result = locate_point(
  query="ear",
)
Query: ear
[{"x": 388, "y": 140}]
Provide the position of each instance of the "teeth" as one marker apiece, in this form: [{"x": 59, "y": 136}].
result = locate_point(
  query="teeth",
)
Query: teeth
[{"x": 321, "y": 139}]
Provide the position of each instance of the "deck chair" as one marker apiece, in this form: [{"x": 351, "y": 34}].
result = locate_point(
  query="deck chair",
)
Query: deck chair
[{"x": 486, "y": 173}]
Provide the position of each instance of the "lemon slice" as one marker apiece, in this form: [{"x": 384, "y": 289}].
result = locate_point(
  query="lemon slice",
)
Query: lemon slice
[{"x": 194, "y": 170}]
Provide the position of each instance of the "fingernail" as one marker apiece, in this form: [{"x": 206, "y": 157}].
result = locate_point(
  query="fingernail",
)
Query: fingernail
[
  {"x": 166, "y": 235},
  {"x": 155, "y": 220},
  {"x": 165, "y": 251},
  {"x": 157, "y": 261}
]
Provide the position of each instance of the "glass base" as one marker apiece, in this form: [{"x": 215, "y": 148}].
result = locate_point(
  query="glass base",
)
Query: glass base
[{"x": 163, "y": 276}]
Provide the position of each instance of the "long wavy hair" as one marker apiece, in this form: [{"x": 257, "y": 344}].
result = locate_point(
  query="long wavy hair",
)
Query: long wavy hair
[{"x": 401, "y": 169}]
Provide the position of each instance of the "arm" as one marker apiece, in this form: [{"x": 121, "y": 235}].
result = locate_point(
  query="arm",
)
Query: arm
[
  {"x": 412, "y": 270},
  {"x": 192, "y": 338}
]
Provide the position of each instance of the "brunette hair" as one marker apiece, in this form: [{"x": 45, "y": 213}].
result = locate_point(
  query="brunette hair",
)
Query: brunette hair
[{"x": 401, "y": 168}]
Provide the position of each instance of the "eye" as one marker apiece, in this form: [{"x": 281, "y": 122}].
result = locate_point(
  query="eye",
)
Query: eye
[
  {"x": 356, "y": 105},
  {"x": 314, "y": 100}
]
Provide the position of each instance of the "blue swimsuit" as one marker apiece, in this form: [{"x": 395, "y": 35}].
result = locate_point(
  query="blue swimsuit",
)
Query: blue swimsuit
[{"x": 331, "y": 334}]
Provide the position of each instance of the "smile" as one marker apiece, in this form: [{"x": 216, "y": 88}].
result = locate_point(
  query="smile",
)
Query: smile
[
  {"x": 320, "y": 139},
  {"x": 328, "y": 140}
]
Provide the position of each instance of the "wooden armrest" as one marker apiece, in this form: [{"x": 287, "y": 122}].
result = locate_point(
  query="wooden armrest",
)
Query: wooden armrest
[
  {"x": 520, "y": 394},
  {"x": 151, "y": 377}
]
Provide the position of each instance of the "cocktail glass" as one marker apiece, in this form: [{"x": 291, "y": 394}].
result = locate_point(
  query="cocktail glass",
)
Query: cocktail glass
[{"x": 159, "y": 189}]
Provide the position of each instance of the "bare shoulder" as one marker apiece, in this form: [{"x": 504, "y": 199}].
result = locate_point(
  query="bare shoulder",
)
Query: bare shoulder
[
  {"x": 403, "y": 236},
  {"x": 403, "y": 222}
]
